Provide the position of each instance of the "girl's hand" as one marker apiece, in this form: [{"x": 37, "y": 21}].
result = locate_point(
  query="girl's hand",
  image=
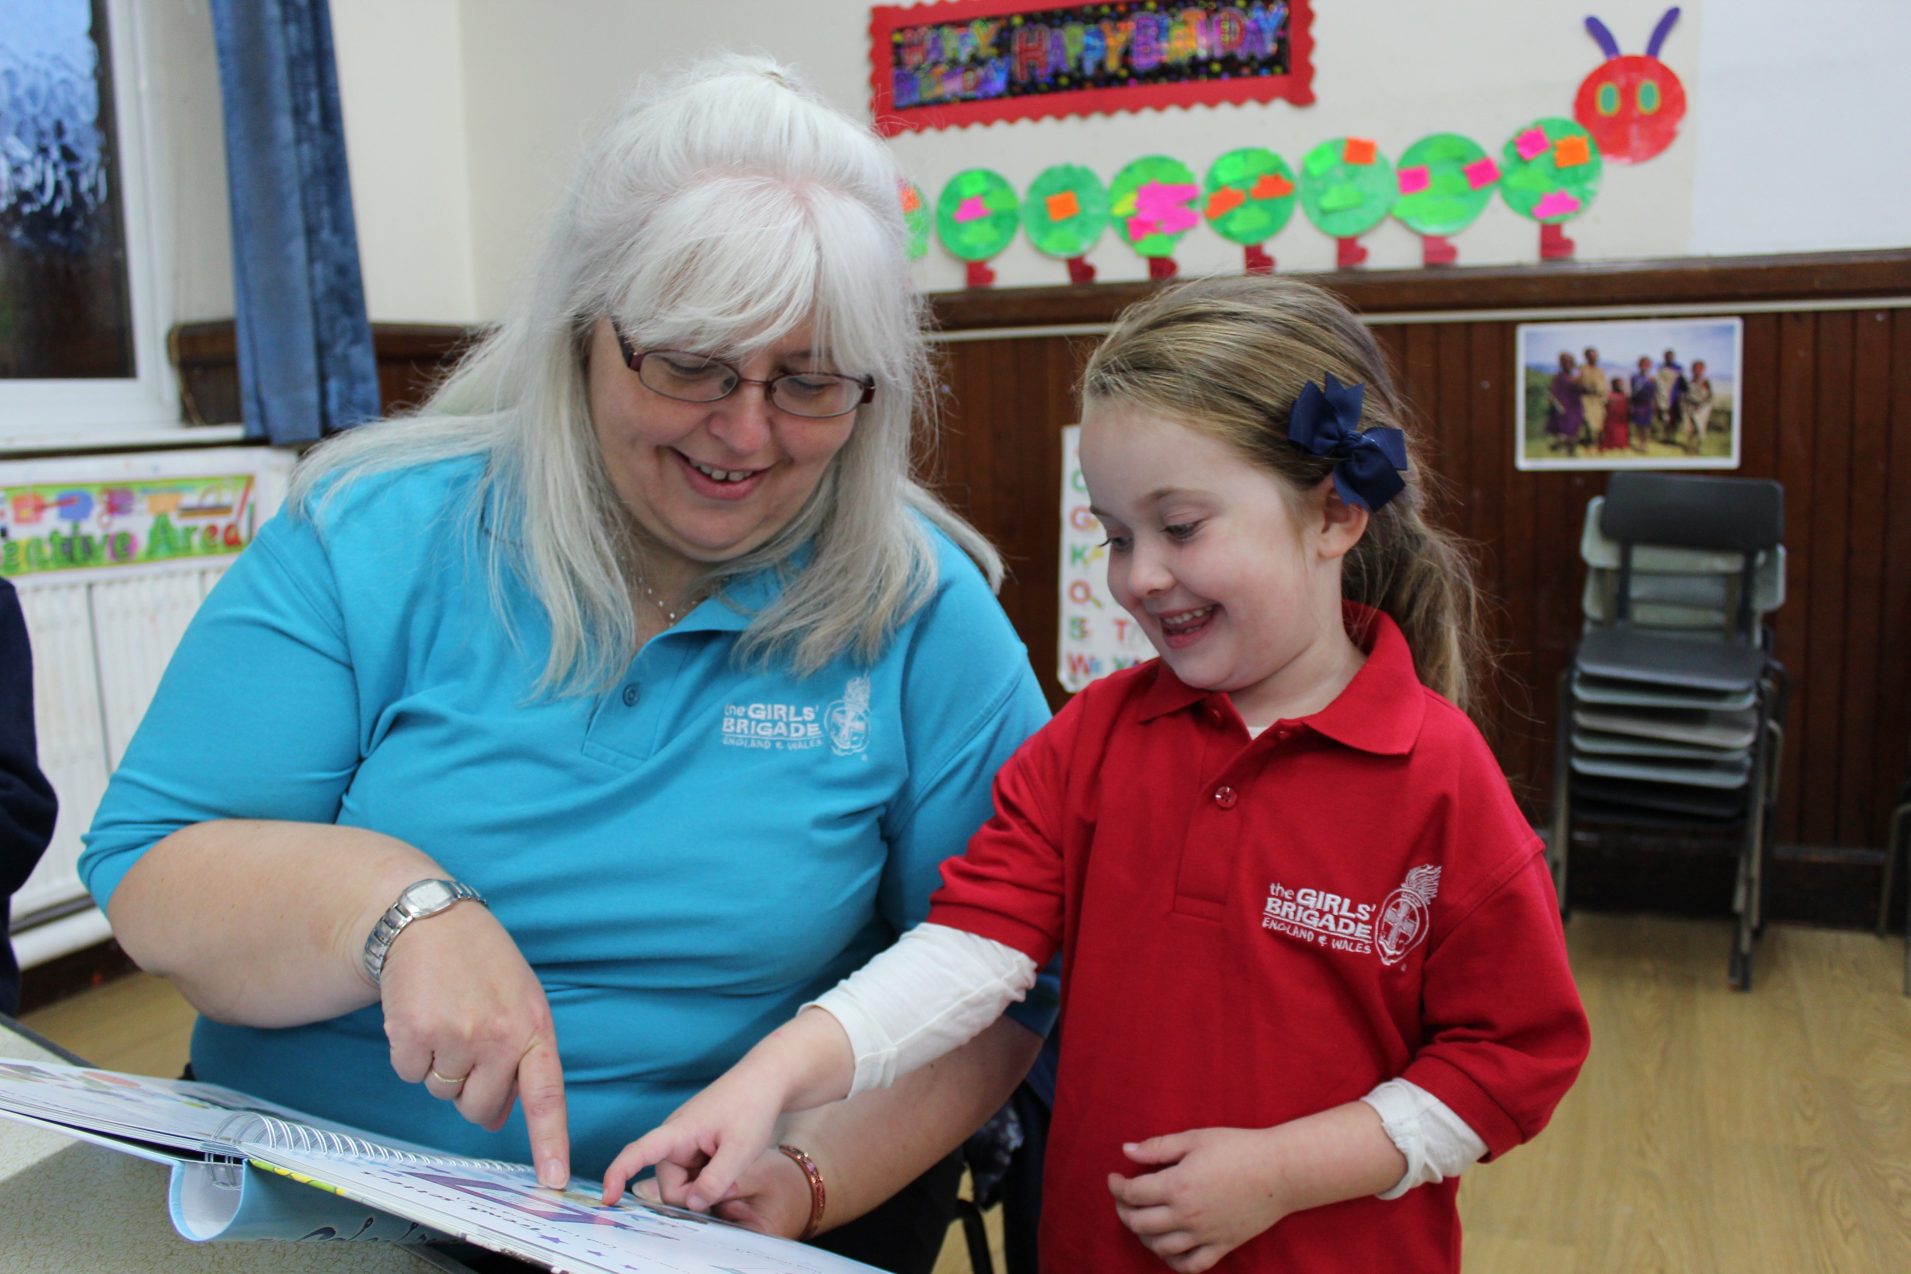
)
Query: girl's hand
[
  {"x": 771, "y": 1197},
  {"x": 704, "y": 1149},
  {"x": 468, "y": 1019},
  {"x": 706, "y": 1144},
  {"x": 1211, "y": 1190}
]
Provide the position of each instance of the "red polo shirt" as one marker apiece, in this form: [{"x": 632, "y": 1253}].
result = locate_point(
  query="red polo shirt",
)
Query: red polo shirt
[{"x": 1254, "y": 930}]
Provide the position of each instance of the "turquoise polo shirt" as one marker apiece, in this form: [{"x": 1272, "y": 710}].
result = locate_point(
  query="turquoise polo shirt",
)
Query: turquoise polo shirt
[{"x": 683, "y": 859}]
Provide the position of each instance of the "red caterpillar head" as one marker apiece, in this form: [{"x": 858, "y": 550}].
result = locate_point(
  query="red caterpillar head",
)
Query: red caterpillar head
[{"x": 1632, "y": 105}]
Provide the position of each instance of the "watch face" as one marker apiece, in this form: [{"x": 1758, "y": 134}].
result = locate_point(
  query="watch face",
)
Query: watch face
[{"x": 430, "y": 895}]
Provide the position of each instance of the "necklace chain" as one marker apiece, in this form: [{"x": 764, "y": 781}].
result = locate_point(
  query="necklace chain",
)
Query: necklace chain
[{"x": 670, "y": 616}]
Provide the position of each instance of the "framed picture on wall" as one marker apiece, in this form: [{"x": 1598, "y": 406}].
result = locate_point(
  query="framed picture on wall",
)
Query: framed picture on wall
[{"x": 1628, "y": 394}]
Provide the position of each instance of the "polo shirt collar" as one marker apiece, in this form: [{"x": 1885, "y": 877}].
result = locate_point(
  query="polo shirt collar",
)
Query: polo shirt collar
[
  {"x": 743, "y": 598},
  {"x": 732, "y": 608},
  {"x": 1380, "y": 711}
]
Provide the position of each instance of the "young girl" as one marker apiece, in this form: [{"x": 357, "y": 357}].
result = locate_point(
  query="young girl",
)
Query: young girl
[
  {"x": 1312, "y": 959},
  {"x": 1618, "y": 417}
]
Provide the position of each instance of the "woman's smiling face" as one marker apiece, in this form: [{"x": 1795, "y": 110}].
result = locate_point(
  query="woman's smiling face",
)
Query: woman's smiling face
[{"x": 709, "y": 482}]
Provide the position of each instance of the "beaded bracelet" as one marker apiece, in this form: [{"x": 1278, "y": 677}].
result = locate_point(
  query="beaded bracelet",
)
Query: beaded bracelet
[{"x": 814, "y": 1175}]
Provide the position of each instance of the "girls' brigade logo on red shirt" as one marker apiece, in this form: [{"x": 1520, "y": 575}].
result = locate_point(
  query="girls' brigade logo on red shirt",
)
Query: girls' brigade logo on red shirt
[
  {"x": 1321, "y": 918},
  {"x": 1404, "y": 915}
]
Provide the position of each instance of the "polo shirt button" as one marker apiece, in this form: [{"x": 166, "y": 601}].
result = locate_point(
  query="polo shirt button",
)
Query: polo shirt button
[
  {"x": 630, "y": 696},
  {"x": 1224, "y": 797}
]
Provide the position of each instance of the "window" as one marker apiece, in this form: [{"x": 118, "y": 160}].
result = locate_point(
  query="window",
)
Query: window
[{"x": 82, "y": 311}]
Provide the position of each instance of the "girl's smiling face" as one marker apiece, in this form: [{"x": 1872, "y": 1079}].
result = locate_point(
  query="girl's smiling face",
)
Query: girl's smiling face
[{"x": 1233, "y": 576}]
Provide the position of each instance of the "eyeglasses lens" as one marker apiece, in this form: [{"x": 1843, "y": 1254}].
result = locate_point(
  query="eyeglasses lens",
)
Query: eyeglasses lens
[{"x": 691, "y": 379}]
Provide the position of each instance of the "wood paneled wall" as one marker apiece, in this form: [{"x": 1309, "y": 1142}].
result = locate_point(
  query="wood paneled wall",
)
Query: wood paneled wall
[{"x": 1826, "y": 393}]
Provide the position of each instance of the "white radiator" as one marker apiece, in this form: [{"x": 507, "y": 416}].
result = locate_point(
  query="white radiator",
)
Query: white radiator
[{"x": 111, "y": 556}]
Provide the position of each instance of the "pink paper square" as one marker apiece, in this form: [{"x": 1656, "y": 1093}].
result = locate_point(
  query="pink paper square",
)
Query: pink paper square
[
  {"x": 1413, "y": 180},
  {"x": 971, "y": 209},
  {"x": 1555, "y": 204},
  {"x": 1482, "y": 172},
  {"x": 1533, "y": 142}
]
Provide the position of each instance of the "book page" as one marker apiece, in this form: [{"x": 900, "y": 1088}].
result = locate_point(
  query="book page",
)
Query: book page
[
  {"x": 498, "y": 1206},
  {"x": 569, "y": 1229},
  {"x": 177, "y": 1113}
]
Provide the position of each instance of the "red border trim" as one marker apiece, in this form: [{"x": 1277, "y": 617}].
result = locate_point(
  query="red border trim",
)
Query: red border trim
[{"x": 1296, "y": 86}]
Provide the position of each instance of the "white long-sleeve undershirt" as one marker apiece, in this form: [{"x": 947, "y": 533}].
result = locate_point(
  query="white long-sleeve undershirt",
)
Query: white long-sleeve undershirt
[{"x": 938, "y": 987}]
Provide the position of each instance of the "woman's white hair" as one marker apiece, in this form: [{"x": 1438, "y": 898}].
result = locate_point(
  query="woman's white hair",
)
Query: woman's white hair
[{"x": 725, "y": 205}]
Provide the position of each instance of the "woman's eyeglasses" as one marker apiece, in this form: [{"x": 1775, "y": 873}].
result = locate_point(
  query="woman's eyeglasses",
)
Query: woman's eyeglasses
[{"x": 693, "y": 378}]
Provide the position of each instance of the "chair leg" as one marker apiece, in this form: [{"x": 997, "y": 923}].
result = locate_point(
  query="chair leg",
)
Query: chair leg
[
  {"x": 976, "y": 1236},
  {"x": 1892, "y": 847},
  {"x": 1749, "y": 892},
  {"x": 1561, "y": 830},
  {"x": 1767, "y": 813}
]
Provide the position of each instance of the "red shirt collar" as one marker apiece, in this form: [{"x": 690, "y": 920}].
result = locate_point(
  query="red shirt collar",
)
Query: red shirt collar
[{"x": 1380, "y": 711}]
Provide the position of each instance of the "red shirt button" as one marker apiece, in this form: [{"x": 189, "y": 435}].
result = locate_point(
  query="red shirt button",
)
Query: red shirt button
[{"x": 1224, "y": 797}]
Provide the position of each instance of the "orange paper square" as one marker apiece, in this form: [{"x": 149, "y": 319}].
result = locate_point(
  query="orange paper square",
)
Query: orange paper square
[
  {"x": 1224, "y": 201},
  {"x": 1272, "y": 186},
  {"x": 1359, "y": 150},
  {"x": 910, "y": 200},
  {"x": 1570, "y": 152},
  {"x": 1063, "y": 206}
]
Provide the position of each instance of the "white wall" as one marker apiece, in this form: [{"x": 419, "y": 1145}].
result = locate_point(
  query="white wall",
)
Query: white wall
[
  {"x": 1801, "y": 137},
  {"x": 401, "y": 84},
  {"x": 464, "y": 116}
]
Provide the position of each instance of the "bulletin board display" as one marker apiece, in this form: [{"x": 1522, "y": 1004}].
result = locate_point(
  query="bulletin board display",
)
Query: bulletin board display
[
  {"x": 1098, "y": 636},
  {"x": 964, "y": 62}
]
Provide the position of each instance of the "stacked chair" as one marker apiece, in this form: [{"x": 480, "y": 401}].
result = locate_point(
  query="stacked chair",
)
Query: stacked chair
[
  {"x": 1897, "y": 844},
  {"x": 1671, "y": 714}
]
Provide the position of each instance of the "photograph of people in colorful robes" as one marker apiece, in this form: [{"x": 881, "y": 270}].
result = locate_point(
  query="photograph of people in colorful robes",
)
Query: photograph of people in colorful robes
[{"x": 1628, "y": 394}]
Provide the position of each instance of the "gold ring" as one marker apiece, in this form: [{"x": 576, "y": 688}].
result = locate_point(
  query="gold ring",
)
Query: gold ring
[{"x": 447, "y": 1079}]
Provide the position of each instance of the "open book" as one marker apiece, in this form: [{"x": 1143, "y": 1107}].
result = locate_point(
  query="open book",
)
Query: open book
[{"x": 243, "y": 1168}]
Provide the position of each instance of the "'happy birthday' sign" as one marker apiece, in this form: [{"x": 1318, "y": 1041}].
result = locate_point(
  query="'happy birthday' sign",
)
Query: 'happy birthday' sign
[{"x": 975, "y": 61}]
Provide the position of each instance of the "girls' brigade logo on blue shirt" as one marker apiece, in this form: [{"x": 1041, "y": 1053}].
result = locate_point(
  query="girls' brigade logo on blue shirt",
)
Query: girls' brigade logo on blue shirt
[
  {"x": 1390, "y": 930},
  {"x": 847, "y": 720},
  {"x": 801, "y": 727}
]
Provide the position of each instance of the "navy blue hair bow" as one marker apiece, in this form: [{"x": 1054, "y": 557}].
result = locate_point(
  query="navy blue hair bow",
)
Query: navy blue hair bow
[{"x": 1367, "y": 464}]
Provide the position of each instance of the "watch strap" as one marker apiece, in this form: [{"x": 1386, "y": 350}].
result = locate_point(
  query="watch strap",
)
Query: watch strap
[{"x": 402, "y": 912}]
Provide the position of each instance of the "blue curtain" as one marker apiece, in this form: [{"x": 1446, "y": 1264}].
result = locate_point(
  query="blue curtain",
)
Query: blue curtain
[{"x": 305, "y": 346}]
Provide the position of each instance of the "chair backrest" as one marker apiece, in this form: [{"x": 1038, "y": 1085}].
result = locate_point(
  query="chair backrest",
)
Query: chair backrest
[
  {"x": 1743, "y": 515},
  {"x": 1740, "y": 515}
]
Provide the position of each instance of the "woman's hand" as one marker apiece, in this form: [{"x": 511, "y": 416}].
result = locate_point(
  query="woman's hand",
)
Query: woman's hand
[
  {"x": 467, "y": 1018},
  {"x": 1211, "y": 1190}
]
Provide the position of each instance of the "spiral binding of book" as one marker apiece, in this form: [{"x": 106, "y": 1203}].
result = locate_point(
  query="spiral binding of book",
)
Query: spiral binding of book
[{"x": 283, "y": 1134}]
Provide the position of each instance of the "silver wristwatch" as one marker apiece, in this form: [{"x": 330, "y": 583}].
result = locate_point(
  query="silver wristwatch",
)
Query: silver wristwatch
[{"x": 419, "y": 899}]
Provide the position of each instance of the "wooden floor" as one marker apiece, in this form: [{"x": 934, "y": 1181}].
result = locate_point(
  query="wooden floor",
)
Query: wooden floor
[{"x": 1711, "y": 1130}]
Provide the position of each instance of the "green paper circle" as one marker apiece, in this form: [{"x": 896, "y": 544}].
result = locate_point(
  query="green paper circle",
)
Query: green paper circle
[
  {"x": 982, "y": 238},
  {"x": 1076, "y": 233},
  {"x": 1448, "y": 203},
  {"x": 916, "y": 220},
  {"x": 1121, "y": 201},
  {"x": 1257, "y": 220},
  {"x": 1524, "y": 183},
  {"x": 1343, "y": 199}
]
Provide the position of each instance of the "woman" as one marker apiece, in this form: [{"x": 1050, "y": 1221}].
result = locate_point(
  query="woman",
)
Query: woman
[
  {"x": 642, "y": 632},
  {"x": 1564, "y": 417}
]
